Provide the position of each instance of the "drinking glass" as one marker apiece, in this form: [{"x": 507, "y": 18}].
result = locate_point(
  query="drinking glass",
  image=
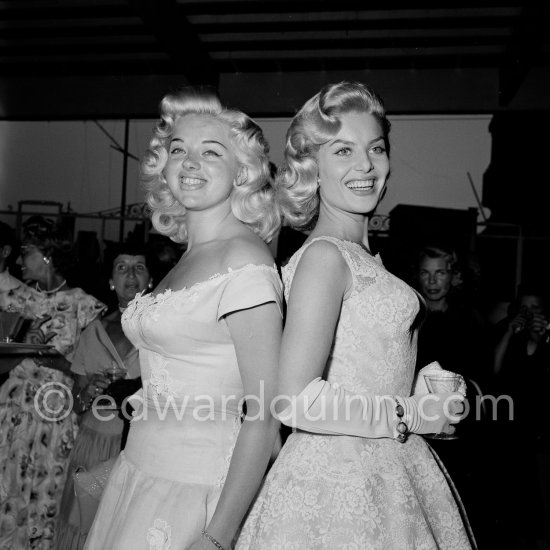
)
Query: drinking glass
[
  {"x": 448, "y": 382},
  {"x": 114, "y": 372},
  {"x": 10, "y": 323}
]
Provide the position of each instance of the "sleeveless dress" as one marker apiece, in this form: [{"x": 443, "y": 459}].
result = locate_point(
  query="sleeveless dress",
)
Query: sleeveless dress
[
  {"x": 336, "y": 492},
  {"x": 166, "y": 483}
]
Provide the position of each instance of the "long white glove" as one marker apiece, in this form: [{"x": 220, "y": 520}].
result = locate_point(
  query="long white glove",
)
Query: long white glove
[{"x": 328, "y": 409}]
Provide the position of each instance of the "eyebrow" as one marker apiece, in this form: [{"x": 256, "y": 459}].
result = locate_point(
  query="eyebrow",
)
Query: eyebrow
[
  {"x": 205, "y": 142},
  {"x": 346, "y": 142},
  {"x": 128, "y": 262},
  {"x": 341, "y": 141}
]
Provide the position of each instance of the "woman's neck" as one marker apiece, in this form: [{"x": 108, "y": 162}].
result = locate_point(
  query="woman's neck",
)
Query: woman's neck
[
  {"x": 52, "y": 282},
  {"x": 437, "y": 305},
  {"x": 208, "y": 225},
  {"x": 342, "y": 225}
]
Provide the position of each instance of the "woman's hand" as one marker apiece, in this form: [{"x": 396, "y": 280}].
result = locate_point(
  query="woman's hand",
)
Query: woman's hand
[
  {"x": 96, "y": 386},
  {"x": 439, "y": 412}
]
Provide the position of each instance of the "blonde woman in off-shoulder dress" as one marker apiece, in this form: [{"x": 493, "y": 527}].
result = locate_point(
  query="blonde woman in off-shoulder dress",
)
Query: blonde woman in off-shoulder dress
[{"x": 208, "y": 335}]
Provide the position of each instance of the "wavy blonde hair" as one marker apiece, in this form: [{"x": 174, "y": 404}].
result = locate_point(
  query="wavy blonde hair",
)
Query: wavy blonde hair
[
  {"x": 317, "y": 122},
  {"x": 253, "y": 202}
]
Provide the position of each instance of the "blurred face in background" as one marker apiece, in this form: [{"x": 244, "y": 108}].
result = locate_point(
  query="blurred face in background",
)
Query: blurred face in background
[
  {"x": 34, "y": 266},
  {"x": 435, "y": 279},
  {"x": 130, "y": 276},
  {"x": 532, "y": 303}
]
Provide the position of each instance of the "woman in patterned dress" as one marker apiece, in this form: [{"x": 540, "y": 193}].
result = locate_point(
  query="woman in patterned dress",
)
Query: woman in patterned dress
[
  {"x": 207, "y": 336},
  {"x": 353, "y": 474},
  {"x": 37, "y": 425}
]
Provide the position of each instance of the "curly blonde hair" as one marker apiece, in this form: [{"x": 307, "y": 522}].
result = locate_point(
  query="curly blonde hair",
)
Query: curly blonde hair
[
  {"x": 317, "y": 122},
  {"x": 253, "y": 202}
]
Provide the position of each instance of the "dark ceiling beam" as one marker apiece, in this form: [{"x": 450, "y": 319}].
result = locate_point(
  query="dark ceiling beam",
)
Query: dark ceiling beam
[
  {"x": 76, "y": 30},
  {"x": 524, "y": 49},
  {"x": 167, "y": 21},
  {"x": 231, "y": 65},
  {"x": 37, "y": 16},
  {"x": 341, "y": 45},
  {"x": 96, "y": 69},
  {"x": 310, "y": 25},
  {"x": 315, "y": 6}
]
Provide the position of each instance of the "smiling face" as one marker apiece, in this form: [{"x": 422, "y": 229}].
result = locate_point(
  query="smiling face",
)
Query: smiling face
[
  {"x": 202, "y": 165},
  {"x": 130, "y": 276},
  {"x": 354, "y": 165},
  {"x": 33, "y": 266},
  {"x": 435, "y": 279}
]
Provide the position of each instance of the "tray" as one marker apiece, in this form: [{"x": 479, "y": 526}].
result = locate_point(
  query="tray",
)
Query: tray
[{"x": 20, "y": 348}]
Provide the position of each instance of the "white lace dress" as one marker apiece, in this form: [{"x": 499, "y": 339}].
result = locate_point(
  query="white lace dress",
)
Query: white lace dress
[
  {"x": 166, "y": 483},
  {"x": 343, "y": 492}
]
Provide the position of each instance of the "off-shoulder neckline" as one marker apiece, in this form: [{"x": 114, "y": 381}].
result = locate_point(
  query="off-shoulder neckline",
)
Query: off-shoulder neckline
[{"x": 215, "y": 277}]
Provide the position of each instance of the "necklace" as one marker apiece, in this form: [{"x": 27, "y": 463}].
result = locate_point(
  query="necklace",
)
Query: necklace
[{"x": 53, "y": 290}]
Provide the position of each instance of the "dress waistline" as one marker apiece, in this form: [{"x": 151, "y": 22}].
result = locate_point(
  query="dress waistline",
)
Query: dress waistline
[{"x": 196, "y": 407}]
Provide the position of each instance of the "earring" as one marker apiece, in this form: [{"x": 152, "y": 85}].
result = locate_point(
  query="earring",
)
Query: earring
[
  {"x": 111, "y": 286},
  {"x": 318, "y": 181},
  {"x": 150, "y": 285},
  {"x": 242, "y": 177},
  {"x": 46, "y": 260}
]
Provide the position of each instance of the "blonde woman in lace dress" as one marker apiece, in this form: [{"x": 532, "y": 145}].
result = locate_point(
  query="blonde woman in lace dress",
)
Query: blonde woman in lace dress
[
  {"x": 354, "y": 474},
  {"x": 208, "y": 335}
]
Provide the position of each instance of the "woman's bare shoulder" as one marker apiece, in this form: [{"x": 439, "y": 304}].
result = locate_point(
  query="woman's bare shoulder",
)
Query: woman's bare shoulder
[{"x": 244, "y": 249}]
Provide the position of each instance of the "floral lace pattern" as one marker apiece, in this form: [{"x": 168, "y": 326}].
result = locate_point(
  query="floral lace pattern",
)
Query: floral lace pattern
[
  {"x": 160, "y": 378},
  {"x": 159, "y": 536},
  {"x": 374, "y": 349},
  {"x": 351, "y": 492}
]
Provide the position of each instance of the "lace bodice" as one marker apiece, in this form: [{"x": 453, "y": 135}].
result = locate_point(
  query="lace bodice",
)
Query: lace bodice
[{"x": 374, "y": 348}]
